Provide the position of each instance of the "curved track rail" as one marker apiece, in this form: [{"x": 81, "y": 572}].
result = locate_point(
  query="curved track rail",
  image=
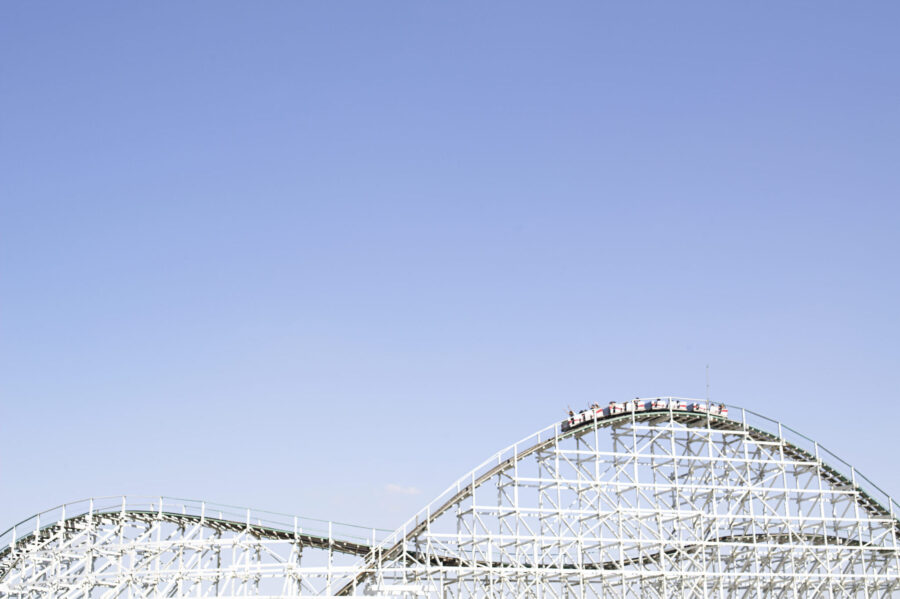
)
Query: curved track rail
[{"x": 655, "y": 557}]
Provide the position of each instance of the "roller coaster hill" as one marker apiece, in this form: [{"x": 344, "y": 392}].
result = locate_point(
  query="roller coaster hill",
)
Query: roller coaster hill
[{"x": 658, "y": 497}]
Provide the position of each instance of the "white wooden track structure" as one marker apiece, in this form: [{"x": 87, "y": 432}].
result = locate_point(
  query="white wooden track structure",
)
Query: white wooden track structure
[{"x": 662, "y": 503}]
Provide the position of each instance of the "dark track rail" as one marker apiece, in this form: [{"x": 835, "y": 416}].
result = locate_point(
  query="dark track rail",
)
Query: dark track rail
[{"x": 654, "y": 558}]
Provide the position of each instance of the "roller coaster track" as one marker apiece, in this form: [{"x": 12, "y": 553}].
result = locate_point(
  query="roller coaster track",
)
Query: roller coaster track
[
  {"x": 408, "y": 548},
  {"x": 689, "y": 419}
]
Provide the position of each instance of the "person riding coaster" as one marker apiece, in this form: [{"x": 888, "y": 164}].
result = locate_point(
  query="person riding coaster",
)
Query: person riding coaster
[{"x": 595, "y": 412}]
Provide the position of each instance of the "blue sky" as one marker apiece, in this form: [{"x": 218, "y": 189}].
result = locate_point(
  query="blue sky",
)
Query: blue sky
[{"x": 324, "y": 258}]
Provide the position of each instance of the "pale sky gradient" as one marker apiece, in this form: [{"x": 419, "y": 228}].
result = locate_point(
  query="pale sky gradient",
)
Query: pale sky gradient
[{"x": 323, "y": 258}]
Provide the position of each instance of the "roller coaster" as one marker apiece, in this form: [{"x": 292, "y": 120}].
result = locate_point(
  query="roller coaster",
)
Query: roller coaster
[{"x": 664, "y": 497}]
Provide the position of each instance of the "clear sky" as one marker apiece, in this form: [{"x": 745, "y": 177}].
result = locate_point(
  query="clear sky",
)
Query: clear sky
[{"x": 323, "y": 258}]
